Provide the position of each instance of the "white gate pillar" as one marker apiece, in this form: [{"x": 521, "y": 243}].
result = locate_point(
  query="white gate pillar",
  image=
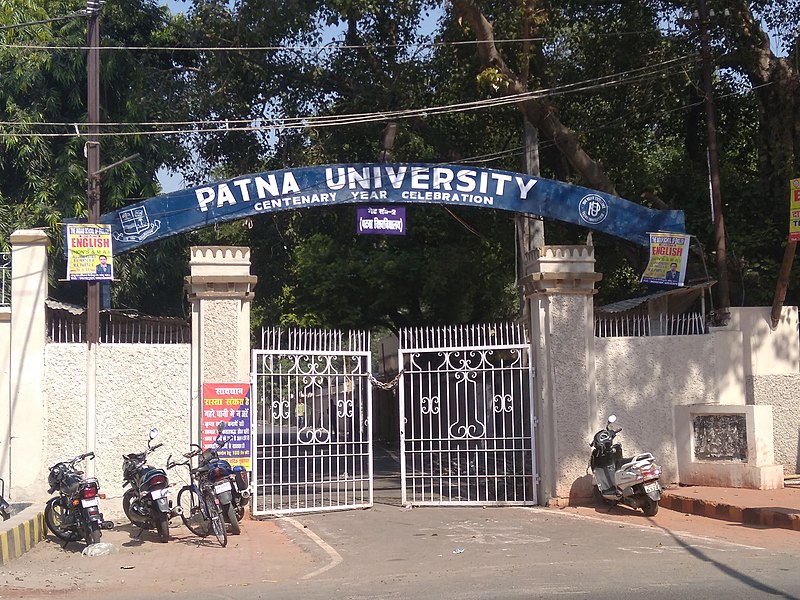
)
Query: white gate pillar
[
  {"x": 25, "y": 452},
  {"x": 559, "y": 286},
  {"x": 220, "y": 289}
]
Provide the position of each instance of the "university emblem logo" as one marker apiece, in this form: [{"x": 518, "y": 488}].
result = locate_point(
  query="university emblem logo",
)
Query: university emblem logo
[
  {"x": 593, "y": 209},
  {"x": 136, "y": 225}
]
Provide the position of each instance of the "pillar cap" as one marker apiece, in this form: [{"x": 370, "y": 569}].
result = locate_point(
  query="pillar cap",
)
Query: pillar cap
[
  {"x": 220, "y": 260},
  {"x": 561, "y": 270},
  {"x": 29, "y": 236}
]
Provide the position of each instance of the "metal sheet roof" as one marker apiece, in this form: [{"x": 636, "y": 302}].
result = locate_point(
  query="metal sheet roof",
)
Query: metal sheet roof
[{"x": 676, "y": 293}]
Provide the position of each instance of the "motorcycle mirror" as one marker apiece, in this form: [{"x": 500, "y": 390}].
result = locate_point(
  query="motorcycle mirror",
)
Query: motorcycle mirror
[
  {"x": 612, "y": 419},
  {"x": 153, "y": 433},
  {"x": 220, "y": 426}
]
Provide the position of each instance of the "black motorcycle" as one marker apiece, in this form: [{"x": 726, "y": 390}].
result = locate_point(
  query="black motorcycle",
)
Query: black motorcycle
[
  {"x": 5, "y": 508},
  {"x": 75, "y": 512},
  {"x": 147, "y": 503}
]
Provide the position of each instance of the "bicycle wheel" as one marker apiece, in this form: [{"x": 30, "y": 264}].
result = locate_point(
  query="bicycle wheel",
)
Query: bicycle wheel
[
  {"x": 217, "y": 521},
  {"x": 192, "y": 513}
]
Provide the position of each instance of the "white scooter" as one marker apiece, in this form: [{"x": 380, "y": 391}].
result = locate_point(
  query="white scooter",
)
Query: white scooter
[{"x": 631, "y": 481}]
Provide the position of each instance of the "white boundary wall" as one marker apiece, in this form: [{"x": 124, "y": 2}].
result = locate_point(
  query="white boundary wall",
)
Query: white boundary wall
[
  {"x": 771, "y": 376},
  {"x": 640, "y": 379},
  {"x": 5, "y": 389},
  {"x": 139, "y": 386},
  {"x": 583, "y": 378}
]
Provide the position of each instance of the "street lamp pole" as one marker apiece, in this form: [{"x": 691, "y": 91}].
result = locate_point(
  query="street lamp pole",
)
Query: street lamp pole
[
  {"x": 723, "y": 290},
  {"x": 93, "y": 209}
]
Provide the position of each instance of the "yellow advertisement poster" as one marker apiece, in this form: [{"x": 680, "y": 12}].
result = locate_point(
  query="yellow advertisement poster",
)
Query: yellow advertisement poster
[
  {"x": 89, "y": 255},
  {"x": 669, "y": 253},
  {"x": 794, "y": 210}
]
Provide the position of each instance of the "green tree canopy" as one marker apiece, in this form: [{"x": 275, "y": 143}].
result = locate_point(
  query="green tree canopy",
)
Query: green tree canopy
[{"x": 612, "y": 87}]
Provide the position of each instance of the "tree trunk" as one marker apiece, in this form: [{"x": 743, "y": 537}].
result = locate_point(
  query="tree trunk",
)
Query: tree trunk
[{"x": 539, "y": 112}]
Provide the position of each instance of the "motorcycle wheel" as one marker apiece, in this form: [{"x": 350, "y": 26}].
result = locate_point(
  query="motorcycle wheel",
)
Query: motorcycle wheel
[
  {"x": 53, "y": 515},
  {"x": 162, "y": 527},
  {"x": 192, "y": 513},
  {"x": 240, "y": 510},
  {"x": 650, "y": 507},
  {"x": 230, "y": 516},
  {"x": 127, "y": 506},
  {"x": 92, "y": 534}
]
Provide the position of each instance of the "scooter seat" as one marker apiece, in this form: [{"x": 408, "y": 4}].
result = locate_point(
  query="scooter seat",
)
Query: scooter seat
[{"x": 623, "y": 461}]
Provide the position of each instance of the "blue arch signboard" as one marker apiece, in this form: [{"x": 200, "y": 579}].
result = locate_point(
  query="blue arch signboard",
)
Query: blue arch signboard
[{"x": 382, "y": 183}]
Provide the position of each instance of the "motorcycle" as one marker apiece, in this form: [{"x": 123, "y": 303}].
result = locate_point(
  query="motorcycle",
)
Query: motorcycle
[
  {"x": 230, "y": 484},
  {"x": 75, "y": 512},
  {"x": 632, "y": 481},
  {"x": 147, "y": 503},
  {"x": 5, "y": 508}
]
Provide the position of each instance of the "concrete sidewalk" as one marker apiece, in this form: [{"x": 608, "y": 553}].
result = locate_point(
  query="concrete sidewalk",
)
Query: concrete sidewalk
[{"x": 764, "y": 508}]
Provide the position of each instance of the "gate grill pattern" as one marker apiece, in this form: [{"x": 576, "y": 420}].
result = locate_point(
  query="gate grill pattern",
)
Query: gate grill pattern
[
  {"x": 466, "y": 418},
  {"x": 312, "y": 447}
]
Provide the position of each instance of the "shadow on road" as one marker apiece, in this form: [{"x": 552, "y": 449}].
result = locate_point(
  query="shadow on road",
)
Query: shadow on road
[{"x": 731, "y": 572}]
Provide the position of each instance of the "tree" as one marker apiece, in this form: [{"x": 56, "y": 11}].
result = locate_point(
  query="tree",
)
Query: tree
[{"x": 42, "y": 94}]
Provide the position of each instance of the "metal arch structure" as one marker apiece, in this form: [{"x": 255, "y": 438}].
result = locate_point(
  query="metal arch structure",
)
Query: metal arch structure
[{"x": 380, "y": 183}]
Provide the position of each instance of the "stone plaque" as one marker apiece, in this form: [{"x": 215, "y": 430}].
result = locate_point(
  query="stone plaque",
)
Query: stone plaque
[{"x": 720, "y": 437}]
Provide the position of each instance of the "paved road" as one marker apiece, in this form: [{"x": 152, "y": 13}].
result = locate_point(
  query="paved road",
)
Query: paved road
[
  {"x": 465, "y": 553},
  {"x": 468, "y": 553},
  {"x": 530, "y": 553}
]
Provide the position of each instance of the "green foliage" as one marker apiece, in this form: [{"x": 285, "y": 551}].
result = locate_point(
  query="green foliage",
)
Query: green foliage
[
  {"x": 42, "y": 93},
  {"x": 643, "y": 123}
]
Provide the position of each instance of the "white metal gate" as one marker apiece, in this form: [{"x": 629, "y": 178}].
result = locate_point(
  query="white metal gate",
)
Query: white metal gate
[
  {"x": 312, "y": 433},
  {"x": 466, "y": 416}
]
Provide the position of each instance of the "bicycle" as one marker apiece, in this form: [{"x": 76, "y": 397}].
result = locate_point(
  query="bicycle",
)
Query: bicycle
[{"x": 200, "y": 508}]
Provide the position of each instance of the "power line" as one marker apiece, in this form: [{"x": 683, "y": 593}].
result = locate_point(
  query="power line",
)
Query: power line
[
  {"x": 331, "y": 46},
  {"x": 245, "y": 125},
  {"x": 76, "y": 15}
]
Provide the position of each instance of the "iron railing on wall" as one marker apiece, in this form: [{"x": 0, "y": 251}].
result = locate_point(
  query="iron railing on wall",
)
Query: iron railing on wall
[
  {"x": 5, "y": 279},
  {"x": 64, "y": 327},
  {"x": 643, "y": 325}
]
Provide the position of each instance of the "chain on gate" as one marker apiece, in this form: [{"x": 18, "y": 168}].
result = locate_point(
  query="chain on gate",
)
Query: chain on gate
[{"x": 386, "y": 385}]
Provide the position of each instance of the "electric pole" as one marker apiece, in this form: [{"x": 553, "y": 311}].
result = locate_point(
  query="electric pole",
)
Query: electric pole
[
  {"x": 723, "y": 291},
  {"x": 93, "y": 209}
]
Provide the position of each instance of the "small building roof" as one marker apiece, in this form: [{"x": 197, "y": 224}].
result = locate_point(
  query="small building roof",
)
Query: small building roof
[{"x": 678, "y": 297}]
